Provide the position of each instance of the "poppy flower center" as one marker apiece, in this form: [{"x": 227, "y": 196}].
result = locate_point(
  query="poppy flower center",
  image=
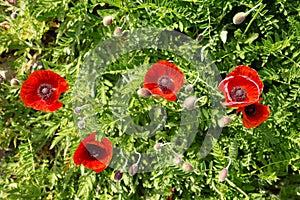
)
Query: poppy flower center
[
  {"x": 45, "y": 91},
  {"x": 165, "y": 83},
  {"x": 238, "y": 94},
  {"x": 250, "y": 110},
  {"x": 95, "y": 151}
]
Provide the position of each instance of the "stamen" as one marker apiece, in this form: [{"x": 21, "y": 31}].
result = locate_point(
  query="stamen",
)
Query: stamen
[
  {"x": 165, "y": 83},
  {"x": 238, "y": 94},
  {"x": 94, "y": 151},
  {"x": 45, "y": 91}
]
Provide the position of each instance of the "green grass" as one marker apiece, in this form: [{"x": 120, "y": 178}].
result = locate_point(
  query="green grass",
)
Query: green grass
[{"x": 36, "y": 148}]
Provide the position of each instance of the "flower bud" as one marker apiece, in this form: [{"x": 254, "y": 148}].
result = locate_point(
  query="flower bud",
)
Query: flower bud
[
  {"x": 239, "y": 18},
  {"x": 187, "y": 167},
  {"x": 118, "y": 175},
  {"x": 77, "y": 110},
  {"x": 81, "y": 124},
  {"x": 107, "y": 20},
  {"x": 1, "y": 78},
  {"x": 118, "y": 31},
  {"x": 189, "y": 88},
  {"x": 224, "y": 121},
  {"x": 14, "y": 82},
  {"x": 189, "y": 103},
  {"x": 157, "y": 146},
  {"x": 144, "y": 92},
  {"x": 177, "y": 160},
  {"x": 133, "y": 169},
  {"x": 14, "y": 15},
  {"x": 223, "y": 174}
]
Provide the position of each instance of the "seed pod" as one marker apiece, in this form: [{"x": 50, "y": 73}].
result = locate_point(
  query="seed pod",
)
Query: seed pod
[
  {"x": 144, "y": 92},
  {"x": 187, "y": 167},
  {"x": 118, "y": 175},
  {"x": 190, "y": 102},
  {"x": 224, "y": 121},
  {"x": 223, "y": 174},
  {"x": 118, "y": 31},
  {"x": 14, "y": 82},
  {"x": 133, "y": 169},
  {"x": 177, "y": 160},
  {"x": 239, "y": 18}
]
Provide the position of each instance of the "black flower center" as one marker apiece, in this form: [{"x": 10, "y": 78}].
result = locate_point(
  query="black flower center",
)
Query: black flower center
[
  {"x": 165, "y": 83},
  {"x": 95, "y": 151},
  {"x": 45, "y": 91},
  {"x": 250, "y": 110},
  {"x": 238, "y": 94}
]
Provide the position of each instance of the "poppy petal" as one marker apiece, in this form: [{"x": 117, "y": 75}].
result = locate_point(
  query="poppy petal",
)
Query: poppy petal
[
  {"x": 97, "y": 163},
  {"x": 243, "y": 70},
  {"x": 261, "y": 113}
]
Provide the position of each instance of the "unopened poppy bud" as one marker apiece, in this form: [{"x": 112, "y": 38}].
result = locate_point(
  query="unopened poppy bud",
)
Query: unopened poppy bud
[
  {"x": 118, "y": 31},
  {"x": 77, "y": 110},
  {"x": 81, "y": 124},
  {"x": 177, "y": 160},
  {"x": 189, "y": 88},
  {"x": 190, "y": 102},
  {"x": 14, "y": 82},
  {"x": 187, "y": 167},
  {"x": 157, "y": 146},
  {"x": 223, "y": 174},
  {"x": 133, "y": 169},
  {"x": 14, "y": 15},
  {"x": 239, "y": 18},
  {"x": 118, "y": 175},
  {"x": 224, "y": 121},
  {"x": 107, "y": 20},
  {"x": 144, "y": 92}
]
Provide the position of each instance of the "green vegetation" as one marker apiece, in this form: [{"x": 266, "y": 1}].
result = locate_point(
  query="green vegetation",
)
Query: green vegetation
[{"x": 36, "y": 148}]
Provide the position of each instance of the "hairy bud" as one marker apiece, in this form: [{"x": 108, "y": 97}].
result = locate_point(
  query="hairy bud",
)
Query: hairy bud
[
  {"x": 177, "y": 160},
  {"x": 223, "y": 174},
  {"x": 187, "y": 167},
  {"x": 118, "y": 175},
  {"x": 224, "y": 121},
  {"x": 144, "y": 92},
  {"x": 190, "y": 102},
  {"x": 107, "y": 20},
  {"x": 239, "y": 18},
  {"x": 118, "y": 31},
  {"x": 133, "y": 169}
]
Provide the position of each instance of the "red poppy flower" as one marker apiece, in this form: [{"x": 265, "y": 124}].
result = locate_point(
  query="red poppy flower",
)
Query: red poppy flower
[
  {"x": 254, "y": 114},
  {"x": 93, "y": 154},
  {"x": 242, "y": 87},
  {"x": 164, "y": 79},
  {"x": 42, "y": 89}
]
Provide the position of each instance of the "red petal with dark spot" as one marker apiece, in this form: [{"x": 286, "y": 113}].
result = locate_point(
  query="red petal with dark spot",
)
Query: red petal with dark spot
[
  {"x": 82, "y": 156},
  {"x": 262, "y": 114}
]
